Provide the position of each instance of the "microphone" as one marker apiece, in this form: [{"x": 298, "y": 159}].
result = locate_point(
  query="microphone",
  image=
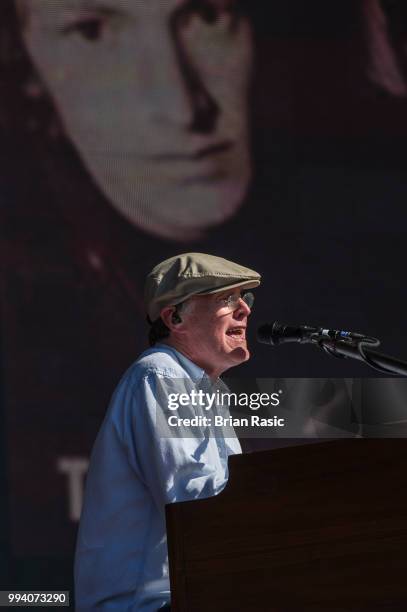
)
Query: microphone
[
  {"x": 279, "y": 333},
  {"x": 334, "y": 342}
]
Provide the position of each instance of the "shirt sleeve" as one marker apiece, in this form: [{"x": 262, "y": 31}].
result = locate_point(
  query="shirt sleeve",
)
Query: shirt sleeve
[{"x": 175, "y": 464}]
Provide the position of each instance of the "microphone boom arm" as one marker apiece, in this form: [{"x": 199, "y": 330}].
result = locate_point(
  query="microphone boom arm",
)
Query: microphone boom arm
[
  {"x": 341, "y": 348},
  {"x": 337, "y": 343}
]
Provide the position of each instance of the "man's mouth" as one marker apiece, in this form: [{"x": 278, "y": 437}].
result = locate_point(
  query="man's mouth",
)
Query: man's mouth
[
  {"x": 238, "y": 333},
  {"x": 194, "y": 154}
]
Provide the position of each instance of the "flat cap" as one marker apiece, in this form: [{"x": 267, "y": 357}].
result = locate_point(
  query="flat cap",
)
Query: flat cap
[{"x": 178, "y": 278}]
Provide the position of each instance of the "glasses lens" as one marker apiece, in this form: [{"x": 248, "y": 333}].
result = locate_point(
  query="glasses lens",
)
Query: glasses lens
[{"x": 248, "y": 298}]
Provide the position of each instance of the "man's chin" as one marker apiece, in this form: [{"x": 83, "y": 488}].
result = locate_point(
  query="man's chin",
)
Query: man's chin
[{"x": 240, "y": 354}]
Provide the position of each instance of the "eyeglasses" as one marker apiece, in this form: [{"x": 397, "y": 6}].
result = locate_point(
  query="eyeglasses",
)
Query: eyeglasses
[{"x": 232, "y": 301}]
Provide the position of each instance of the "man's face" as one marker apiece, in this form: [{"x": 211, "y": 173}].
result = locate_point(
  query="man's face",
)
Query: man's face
[
  {"x": 153, "y": 94},
  {"x": 215, "y": 335}
]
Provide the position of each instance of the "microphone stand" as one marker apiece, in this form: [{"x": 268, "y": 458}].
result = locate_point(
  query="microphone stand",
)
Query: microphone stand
[{"x": 342, "y": 348}]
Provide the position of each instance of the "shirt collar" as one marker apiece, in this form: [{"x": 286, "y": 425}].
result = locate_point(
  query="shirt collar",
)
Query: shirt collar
[{"x": 193, "y": 370}]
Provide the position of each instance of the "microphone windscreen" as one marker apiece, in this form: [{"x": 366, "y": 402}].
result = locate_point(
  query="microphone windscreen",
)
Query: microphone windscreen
[
  {"x": 279, "y": 333},
  {"x": 266, "y": 334}
]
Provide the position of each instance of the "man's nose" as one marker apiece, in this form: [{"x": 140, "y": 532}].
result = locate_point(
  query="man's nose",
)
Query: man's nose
[
  {"x": 174, "y": 91},
  {"x": 243, "y": 309}
]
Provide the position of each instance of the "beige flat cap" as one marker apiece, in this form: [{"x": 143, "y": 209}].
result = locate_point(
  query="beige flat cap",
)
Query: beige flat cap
[{"x": 178, "y": 278}]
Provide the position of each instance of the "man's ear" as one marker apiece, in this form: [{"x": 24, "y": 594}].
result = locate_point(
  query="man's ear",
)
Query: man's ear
[{"x": 171, "y": 317}]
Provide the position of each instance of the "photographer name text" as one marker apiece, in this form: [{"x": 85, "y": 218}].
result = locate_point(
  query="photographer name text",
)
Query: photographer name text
[{"x": 220, "y": 421}]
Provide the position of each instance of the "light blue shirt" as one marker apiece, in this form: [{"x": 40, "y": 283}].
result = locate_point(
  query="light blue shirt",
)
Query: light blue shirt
[{"x": 121, "y": 560}]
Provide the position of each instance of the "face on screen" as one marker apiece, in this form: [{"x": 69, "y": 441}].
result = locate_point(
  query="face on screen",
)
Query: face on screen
[
  {"x": 385, "y": 26},
  {"x": 153, "y": 95}
]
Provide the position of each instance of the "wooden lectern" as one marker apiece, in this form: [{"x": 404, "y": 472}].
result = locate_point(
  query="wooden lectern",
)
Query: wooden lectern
[{"x": 312, "y": 527}]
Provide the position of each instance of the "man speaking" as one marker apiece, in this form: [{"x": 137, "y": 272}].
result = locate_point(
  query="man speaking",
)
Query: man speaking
[{"x": 197, "y": 310}]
